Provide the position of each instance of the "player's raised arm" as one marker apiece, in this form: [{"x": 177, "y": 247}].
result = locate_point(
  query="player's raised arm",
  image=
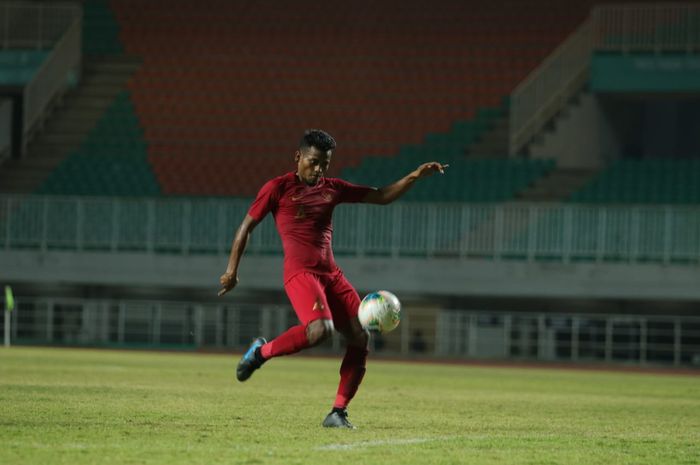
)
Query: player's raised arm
[
  {"x": 388, "y": 194},
  {"x": 229, "y": 279}
]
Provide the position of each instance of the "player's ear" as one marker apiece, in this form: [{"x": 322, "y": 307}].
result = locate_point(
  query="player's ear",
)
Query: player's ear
[{"x": 297, "y": 156}]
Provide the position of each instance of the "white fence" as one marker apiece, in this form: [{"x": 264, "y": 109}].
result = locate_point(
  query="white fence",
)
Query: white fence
[
  {"x": 556, "y": 232},
  {"x": 635, "y": 339},
  {"x": 623, "y": 28}
]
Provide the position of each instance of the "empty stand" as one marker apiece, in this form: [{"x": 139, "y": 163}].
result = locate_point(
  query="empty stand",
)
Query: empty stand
[
  {"x": 662, "y": 181},
  {"x": 227, "y": 79}
]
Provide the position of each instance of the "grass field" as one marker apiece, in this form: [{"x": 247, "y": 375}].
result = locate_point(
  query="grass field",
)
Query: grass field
[{"x": 102, "y": 407}]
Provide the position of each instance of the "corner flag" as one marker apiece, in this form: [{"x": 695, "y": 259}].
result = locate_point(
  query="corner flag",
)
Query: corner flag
[
  {"x": 9, "y": 306},
  {"x": 9, "y": 299}
]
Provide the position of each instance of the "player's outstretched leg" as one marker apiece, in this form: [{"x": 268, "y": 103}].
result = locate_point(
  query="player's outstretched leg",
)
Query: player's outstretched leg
[
  {"x": 251, "y": 360},
  {"x": 291, "y": 341}
]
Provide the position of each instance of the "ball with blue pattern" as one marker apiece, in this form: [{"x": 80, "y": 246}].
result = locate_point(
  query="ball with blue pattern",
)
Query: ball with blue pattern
[{"x": 380, "y": 311}]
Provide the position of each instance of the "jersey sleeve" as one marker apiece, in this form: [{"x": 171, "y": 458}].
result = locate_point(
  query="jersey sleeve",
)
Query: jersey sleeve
[
  {"x": 351, "y": 193},
  {"x": 266, "y": 200}
]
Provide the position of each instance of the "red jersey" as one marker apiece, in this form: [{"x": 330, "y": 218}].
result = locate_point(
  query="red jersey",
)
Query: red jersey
[{"x": 303, "y": 216}]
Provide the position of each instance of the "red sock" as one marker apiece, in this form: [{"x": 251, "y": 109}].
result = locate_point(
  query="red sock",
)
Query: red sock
[
  {"x": 289, "y": 342},
  {"x": 352, "y": 370}
]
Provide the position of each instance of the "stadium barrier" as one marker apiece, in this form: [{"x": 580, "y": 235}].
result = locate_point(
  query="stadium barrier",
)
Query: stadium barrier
[
  {"x": 562, "y": 233},
  {"x": 548, "y": 88},
  {"x": 443, "y": 334},
  {"x": 636, "y": 339}
]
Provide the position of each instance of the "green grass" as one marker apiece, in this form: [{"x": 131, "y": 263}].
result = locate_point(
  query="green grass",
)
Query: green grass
[{"x": 88, "y": 407}]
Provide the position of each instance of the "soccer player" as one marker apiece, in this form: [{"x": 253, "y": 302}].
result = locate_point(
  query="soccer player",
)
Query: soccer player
[{"x": 302, "y": 204}]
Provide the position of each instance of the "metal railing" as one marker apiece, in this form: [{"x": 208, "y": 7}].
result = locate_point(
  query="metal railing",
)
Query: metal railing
[
  {"x": 553, "y": 232},
  {"x": 636, "y": 339},
  {"x": 448, "y": 333},
  {"x": 661, "y": 27},
  {"x": 623, "y": 28},
  {"x": 33, "y": 25},
  {"x": 550, "y": 86},
  {"x": 144, "y": 323}
]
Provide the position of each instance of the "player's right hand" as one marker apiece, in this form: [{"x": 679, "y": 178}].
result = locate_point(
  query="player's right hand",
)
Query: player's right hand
[{"x": 228, "y": 281}]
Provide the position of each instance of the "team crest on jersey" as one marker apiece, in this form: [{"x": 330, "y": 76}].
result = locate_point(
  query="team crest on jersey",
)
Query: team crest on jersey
[
  {"x": 327, "y": 196},
  {"x": 301, "y": 213}
]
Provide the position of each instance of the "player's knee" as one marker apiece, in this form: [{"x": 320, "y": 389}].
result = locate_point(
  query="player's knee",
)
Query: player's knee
[
  {"x": 361, "y": 338},
  {"x": 356, "y": 335},
  {"x": 318, "y": 331}
]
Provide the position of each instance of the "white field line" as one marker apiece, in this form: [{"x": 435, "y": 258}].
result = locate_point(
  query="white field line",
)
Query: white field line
[{"x": 386, "y": 442}]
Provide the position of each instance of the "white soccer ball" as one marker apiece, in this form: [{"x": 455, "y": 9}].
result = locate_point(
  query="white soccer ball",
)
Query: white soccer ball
[{"x": 380, "y": 311}]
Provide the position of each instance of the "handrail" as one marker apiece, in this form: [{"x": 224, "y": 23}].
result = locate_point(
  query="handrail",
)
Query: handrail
[
  {"x": 550, "y": 86},
  {"x": 59, "y": 71}
]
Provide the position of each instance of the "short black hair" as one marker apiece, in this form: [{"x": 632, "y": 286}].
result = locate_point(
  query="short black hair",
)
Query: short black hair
[{"x": 317, "y": 138}]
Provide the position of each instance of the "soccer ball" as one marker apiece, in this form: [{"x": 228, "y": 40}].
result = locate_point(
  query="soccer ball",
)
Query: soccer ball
[{"x": 380, "y": 311}]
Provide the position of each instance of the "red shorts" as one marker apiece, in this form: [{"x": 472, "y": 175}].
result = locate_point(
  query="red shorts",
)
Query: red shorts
[{"x": 317, "y": 297}]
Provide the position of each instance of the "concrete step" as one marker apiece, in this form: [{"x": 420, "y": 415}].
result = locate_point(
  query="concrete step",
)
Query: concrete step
[
  {"x": 28, "y": 181},
  {"x": 87, "y": 102},
  {"x": 82, "y": 126},
  {"x": 115, "y": 69},
  {"x": 102, "y": 90},
  {"x": 11, "y": 189},
  {"x": 44, "y": 149},
  {"x": 105, "y": 79},
  {"x": 43, "y": 162},
  {"x": 112, "y": 67},
  {"x": 16, "y": 177},
  {"x": 559, "y": 185},
  {"x": 62, "y": 139},
  {"x": 494, "y": 141},
  {"x": 82, "y": 113}
]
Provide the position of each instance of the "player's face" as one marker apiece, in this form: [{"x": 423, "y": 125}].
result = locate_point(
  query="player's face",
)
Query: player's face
[{"x": 312, "y": 164}]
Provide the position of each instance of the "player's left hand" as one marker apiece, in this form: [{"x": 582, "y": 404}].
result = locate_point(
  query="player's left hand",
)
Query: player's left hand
[
  {"x": 428, "y": 169},
  {"x": 228, "y": 281}
]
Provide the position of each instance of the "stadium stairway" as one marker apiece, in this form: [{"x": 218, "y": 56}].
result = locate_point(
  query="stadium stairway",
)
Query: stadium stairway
[
  {"x": 106, "y": 69},
  {"x": 493, "y": 142},
  {"x": 103, "y": 79},
  {"x": 557, "y": 185}
]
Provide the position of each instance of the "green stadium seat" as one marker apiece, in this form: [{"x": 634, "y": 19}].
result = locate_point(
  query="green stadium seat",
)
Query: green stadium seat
[{"x": 655, "y": 181}]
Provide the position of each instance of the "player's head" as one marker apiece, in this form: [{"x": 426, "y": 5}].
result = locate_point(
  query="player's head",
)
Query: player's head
[{"x": 314, "y": 155}]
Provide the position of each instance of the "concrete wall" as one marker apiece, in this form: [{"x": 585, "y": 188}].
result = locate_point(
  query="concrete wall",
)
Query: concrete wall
[
  {"x": 5, "y": 129},
  {"x": 405, "y": 276},
  {"x": 599, "y": 128},
  {"x": 582, "y": 137}
]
